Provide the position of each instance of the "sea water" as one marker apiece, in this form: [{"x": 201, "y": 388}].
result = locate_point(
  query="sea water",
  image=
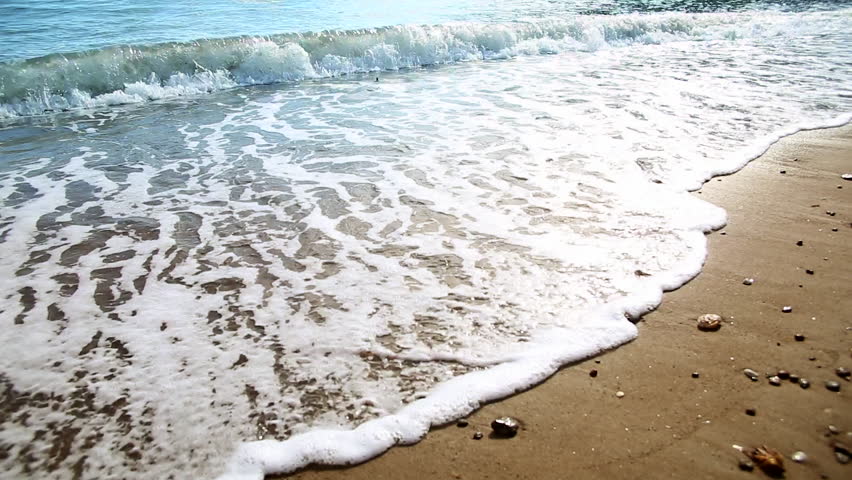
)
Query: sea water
[{"x": 243, "y": 237}]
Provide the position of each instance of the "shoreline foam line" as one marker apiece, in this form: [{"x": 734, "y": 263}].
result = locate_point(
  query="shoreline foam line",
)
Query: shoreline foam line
[{"x": 550, "y": 351}]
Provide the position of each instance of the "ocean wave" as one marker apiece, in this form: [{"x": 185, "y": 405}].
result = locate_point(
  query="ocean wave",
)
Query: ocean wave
[{"x": 135, "y": 74}]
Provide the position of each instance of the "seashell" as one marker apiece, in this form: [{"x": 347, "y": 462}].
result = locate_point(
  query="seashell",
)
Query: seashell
[
  {"x": 767, "y": 459},
  {"x": 709, "y": 322}
]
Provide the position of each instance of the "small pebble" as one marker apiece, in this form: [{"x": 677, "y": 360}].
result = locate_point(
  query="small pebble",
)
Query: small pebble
[
  {"x": 843, "y": 373},
  {"x": 799, "y": 337},
  {"x": 841, "y": 452},
  {"x": 774, "y": 381},
  {"x": 751, "y": 374},
  {"x": 477, "y": 436},
  {"x": 846, "y": 176},
  {"x": 709, "y": 322},
  {"x": 746, "y": 465},
  {"x": 830, "y": 213},
  {"x": 505, "y": 427},
  {"x": 748, "y": 281},
  {"x": 832, "y": 386},
  {"x": 695, "y": 375},
  {"x": 809, "y": 272},
  {"x": 799, "y": 457},
  {"x": 619, "y": 394},
  {"x": 751, "y": 412},
  {"x": 804, "y": 383},
  {"x": 787, "y": 309},
  {"x": 593, "y": 373},
  {"x": 783, "y": 374},
  {"x": 783, "y": 171},
  {"x": 462, "y": 423},
  {"x": 794, "y": 378},
  {"x": 800, "y": 243},
  {"x": 833, "y": 430}
]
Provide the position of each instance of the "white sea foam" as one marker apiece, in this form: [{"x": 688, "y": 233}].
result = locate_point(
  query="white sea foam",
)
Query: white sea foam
[
  {"x": 332, "y": 268},
  {"x": 122, "y": 75}
]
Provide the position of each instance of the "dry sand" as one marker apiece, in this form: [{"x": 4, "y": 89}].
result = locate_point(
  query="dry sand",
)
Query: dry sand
[{"x": 670, "y": 425}]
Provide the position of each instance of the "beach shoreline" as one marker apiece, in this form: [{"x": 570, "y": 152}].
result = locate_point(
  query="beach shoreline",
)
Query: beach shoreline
[{"x": 668, "y": 423}]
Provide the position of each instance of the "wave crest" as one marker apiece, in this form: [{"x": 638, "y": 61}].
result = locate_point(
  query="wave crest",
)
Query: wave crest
[{"x": 134, "y": 74}]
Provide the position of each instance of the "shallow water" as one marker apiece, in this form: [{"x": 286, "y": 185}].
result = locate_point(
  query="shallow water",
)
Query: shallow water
[{"x": 194, "y": 271}]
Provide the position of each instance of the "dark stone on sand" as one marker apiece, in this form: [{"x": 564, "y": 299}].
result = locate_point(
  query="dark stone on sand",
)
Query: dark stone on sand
[
  {"x": 804, "y": 383},
  {"x": 833, "y": 430},
  {"x": 593, "y": 373},
  {"x": 695, "y": 375},
  {"x": 746, "y": 465},
  {"x": 843, "y": 373},
  {"x": 462, "y": 423},
  {"x": 783, "y": 374},
  {"x": 841, "y": 452},
  {"x": 832, "y": 386},
  {"x": 751, "y": 412},
  {"x": 794, "y": 378},
  {"x": 830, "y": 213},
  {"x": 505, "y": 427},
  {"x": 477, "y": 436},
  {"x": 799, "y": 337},
  {"x": 846, "y": 176},
  {"x": 809, "y": 271},
  {"x": 783, "y": 171},
  {"x": 775, "y": 381},
  {"x": 787, "y": 309},
  {"x": 800, "y": 243},
  {"x": 834, "y": 229}
]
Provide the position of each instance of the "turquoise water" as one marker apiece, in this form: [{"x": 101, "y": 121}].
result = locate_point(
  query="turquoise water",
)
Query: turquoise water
[
  {"x": 240, "y": 238},
  {"x": 30, "y": 29}
]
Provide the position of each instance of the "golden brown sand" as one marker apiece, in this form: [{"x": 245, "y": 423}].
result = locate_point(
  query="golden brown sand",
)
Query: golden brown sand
[{"x": 668, "y": 424}]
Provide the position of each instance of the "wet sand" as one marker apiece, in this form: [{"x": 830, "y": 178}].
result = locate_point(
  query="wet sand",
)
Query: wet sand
[{"x": 669, "y": 424}]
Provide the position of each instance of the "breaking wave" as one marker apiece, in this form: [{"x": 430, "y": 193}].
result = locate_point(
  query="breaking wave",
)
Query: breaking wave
[{"x": 134, "y": 74}]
